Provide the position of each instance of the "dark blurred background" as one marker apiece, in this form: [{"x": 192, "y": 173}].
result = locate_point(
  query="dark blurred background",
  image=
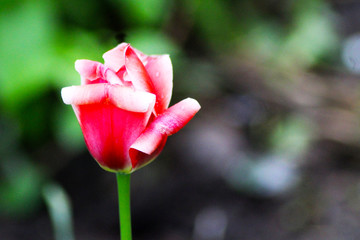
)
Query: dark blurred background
[{"x": 273, "y": 154}]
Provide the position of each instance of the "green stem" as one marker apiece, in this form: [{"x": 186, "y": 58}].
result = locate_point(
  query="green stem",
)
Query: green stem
[{"x": 123, "y": 181}]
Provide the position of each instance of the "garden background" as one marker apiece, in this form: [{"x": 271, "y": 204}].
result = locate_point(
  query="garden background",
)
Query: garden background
[{"x": 274, "y": 152}]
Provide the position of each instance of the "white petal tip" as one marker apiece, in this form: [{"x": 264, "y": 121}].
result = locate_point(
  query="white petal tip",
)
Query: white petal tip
[
  {"x": 193, "y": 103},
  {"x": 67, "y": 94},
  {"x": 80, "y": 65}
]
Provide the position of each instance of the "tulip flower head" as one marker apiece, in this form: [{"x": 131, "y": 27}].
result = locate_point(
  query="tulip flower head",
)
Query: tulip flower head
[{"x": 122, "y": 107}]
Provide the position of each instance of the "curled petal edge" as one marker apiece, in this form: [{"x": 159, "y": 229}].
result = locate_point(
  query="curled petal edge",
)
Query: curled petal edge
[
  {"x": 137, "y": 71},
  {"x": 166, "y": 124},
  {"x": 91, "y": 70},
  {"x": 160, "y": 71},
  {"x": 115, "y": 58},
  {"x": 121, "y": 96}
]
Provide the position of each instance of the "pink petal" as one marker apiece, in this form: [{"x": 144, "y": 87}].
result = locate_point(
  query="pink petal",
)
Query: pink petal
[
  {"x": 131, "y": 100},
  {"x": 166, "y": 124},
  {"x": 91, "y": 71},
  {"x": 140, "y": 159},
  {"x": 85, "y": 94},
  {"x": 115, "y": 58},
  {"x": 111, "y": 117},
  {"x": 88, "y": 69},
  {"x": 109, "y": 132},
  {"x": 143, "y": 57},
  {"x": 121, "y": 96},
  {"x": 137, "y": 72},
  {"x": 160, "y": 71}
]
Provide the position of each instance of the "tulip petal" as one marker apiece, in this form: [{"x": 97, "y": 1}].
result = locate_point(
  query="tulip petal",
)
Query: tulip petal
[
  {"x": 130, "y": 100},
  {"x": 143, "y": 57},
  {"x": 140, "y": 159},
  {"x": 109, "y": 132},
  {"x": 88, "y": 69},
  {"x": 166, "y": 124},
  {"x": 85, "y": 94},
  {"x": 111, "y": 118},
  {"x": 121, "y": 96},
  {"x": 92, "y": 72},
  {"x": 160, "y": 71},
  {"x": 137, "y": 72},
  {"x": 115, "y": 58}
]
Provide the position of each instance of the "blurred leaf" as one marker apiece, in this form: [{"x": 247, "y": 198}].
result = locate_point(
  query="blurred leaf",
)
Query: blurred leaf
[
  {"x": 26, "y": 57},
  {"x": 60, "y": 212}
]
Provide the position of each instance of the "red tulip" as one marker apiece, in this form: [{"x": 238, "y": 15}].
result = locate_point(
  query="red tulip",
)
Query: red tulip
[{"x": 122, "y": 107}]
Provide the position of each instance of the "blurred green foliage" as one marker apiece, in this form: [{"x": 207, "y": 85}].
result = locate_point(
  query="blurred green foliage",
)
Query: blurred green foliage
[
  {"x": 60, "y": 211},
  {"x": 40, "y": 41}
]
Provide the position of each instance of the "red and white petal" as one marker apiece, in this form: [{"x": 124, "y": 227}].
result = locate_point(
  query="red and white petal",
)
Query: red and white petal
[
  {"x": 160, "y": 71},
  {"x": 131, "y": 100},
  {"x": 143, "y": 57},
  {"x": 88, "y": 70},
  {"x": 166, "y": 124},
  {"x": 109, "y": 132},
  {"x": 140, "y": 159},
  {"x": 94, "y": 72},
  {"x": 85, "y": 94},
  {"x": 115, "y": 58},
  {"x": 120, "y": 96},
  {"x": 111, "y": 117},
  {"x": 137, "y": 72}
]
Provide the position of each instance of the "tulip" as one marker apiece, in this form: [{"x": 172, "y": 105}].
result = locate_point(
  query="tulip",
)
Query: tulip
[{"x": 122, "y": 107}]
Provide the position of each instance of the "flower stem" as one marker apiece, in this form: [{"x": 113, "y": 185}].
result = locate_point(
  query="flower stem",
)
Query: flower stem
[{"x": 123, "y": 181}]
